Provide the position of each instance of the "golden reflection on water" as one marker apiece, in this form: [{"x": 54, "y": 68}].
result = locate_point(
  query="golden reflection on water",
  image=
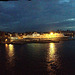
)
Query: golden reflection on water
[
  {"x": 10, "y": 54},
  {"x": 11, "y": 50},
  {"x": 52, "y": 59},
  {"x": 51, "y": 52}
]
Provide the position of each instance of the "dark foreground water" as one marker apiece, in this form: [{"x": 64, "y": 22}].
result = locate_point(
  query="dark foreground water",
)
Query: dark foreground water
[{"x": 38, "y": 59}]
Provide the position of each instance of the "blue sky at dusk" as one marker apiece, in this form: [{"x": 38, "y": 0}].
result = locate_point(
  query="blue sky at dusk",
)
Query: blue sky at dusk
[{"x": 37, "y": 15}]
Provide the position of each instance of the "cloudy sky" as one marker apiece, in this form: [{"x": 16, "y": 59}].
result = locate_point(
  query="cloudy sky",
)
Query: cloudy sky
[{"x": 37, "y": 15}]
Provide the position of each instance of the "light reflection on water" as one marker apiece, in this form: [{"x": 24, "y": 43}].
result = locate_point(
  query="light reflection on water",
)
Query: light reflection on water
[
  {"x": 10, "y": 55},
  {"x": 52, "y": 51},
  {"x": 52, "y": 59},
  {"x": 36, "y": 52},
  {"x": 48, "y": 58}
]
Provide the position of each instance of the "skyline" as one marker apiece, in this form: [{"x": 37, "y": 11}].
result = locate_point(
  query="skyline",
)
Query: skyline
[{"x": 41, "y": 15}]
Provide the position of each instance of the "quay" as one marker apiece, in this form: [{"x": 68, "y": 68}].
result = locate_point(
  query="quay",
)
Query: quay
[
  {"x": 35, "y": 37},
  {"x": 25, "y": 42}
]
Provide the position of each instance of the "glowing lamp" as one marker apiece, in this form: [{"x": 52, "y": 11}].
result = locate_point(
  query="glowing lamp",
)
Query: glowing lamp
[
  {"x": 5, "y": 40},
  {"x": 51, "y": 33}
]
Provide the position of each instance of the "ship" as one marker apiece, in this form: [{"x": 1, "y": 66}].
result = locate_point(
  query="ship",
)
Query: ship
[{"x": 48, "y": 37}]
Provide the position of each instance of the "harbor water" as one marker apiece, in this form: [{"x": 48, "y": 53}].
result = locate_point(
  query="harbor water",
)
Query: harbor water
[{"x": 38, "y": 59}]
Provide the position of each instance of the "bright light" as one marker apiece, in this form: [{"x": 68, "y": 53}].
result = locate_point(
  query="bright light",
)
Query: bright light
[
  {"x": 51, "y": 33},
  {"x": 6, "y": 45},
  {"x": 5, "y": 40}
]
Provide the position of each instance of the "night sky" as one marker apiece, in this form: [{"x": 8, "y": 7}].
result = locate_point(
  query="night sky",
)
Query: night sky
[{"x": 37, "y": 15}]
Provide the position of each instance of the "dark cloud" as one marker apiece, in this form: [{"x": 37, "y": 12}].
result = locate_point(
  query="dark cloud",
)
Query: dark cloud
[{"x": 35, "y": 14}]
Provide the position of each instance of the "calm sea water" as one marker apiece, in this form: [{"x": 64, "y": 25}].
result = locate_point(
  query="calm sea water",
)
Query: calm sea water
[{"x": 38, "y": 59}]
